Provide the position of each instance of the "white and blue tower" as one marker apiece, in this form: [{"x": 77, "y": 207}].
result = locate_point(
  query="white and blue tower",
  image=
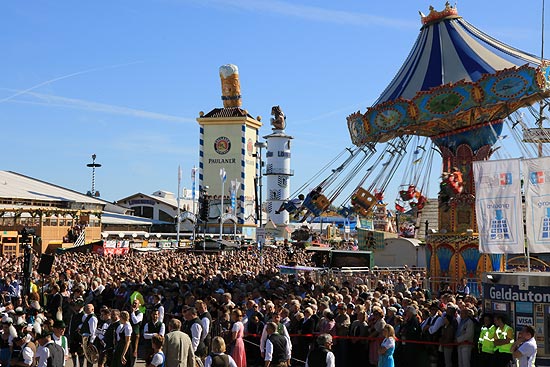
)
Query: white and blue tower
[{"x": 277, "y": 170}]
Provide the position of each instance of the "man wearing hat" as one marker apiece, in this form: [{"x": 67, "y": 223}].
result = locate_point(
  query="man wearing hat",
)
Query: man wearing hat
[
  {"x": 321, "y": 355},
  {"x": 24, "y": 357},
  {"x": 60, "y": 339},
  {"x": 49, "y": 354}
]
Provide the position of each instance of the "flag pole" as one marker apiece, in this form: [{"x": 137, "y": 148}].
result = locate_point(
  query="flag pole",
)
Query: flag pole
[
  {"x": 178, "y": 219},
  {"x": 193, "y": 174}
]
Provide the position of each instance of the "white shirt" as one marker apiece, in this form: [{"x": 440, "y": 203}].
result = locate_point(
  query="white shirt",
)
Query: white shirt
[
  {"x": 330, "y": 360},
  {"x": 196, "y": 331},
  {"x": 136, "y": 318},
  {"x": 528, "y": 352},
  {"x": 158, "y": 359},
  {"x": 92, "y": 323},
  {"x": 205, "y": 322},
  {"x": 28, "y": 355},
  {"x": 148, "y": 335},
  {"x": 126, "y": 328},
  {"x": 283, "y": 332},
  {"x": 208, "y": 361},
  {"x": 43, "y": 353},
  {"x": 269, "y": 351},
  {"x": 63, "y": 342}
]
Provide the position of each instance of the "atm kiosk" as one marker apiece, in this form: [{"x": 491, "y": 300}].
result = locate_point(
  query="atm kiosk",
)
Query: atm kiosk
[{"x": 524, "y": 298}]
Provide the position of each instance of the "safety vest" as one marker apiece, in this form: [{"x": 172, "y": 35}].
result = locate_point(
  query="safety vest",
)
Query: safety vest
[
  {"x": 503, "y": 334},
  {"x": 487, "y": 339}
]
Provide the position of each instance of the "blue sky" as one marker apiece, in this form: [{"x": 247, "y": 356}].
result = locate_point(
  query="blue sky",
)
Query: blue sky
[{"x": 126, "y": 79}]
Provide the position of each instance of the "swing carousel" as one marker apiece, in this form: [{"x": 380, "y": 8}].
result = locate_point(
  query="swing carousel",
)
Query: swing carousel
[{"x": 454, "y": 95}]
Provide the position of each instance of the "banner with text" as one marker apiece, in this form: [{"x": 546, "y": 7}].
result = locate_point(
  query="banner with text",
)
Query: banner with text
[
  {"x": 536, "y": 175},
  {"x": 499, "y": 207}
]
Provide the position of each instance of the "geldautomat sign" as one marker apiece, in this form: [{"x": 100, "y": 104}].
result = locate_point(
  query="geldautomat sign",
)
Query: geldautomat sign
[{"x": 498, "y": 292}]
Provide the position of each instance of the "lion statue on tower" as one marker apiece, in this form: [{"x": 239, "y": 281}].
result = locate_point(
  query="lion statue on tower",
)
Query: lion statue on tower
[{"x": 278, "y": 121}]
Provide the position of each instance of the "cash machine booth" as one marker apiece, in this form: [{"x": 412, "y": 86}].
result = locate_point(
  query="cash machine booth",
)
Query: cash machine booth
[{"x": 524, "y": 298}]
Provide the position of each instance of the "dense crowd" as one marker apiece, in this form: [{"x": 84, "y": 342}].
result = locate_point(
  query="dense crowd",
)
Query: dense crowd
[{"x": 183, "y": 308}]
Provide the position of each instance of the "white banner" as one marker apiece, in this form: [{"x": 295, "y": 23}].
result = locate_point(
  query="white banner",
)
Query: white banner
[
  {"x": 536, "y": 173},
  {"x": 499, "y": 207}
]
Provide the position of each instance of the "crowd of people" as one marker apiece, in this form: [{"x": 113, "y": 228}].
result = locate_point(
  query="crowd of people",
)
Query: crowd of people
[{"x": 236, "y": 309}]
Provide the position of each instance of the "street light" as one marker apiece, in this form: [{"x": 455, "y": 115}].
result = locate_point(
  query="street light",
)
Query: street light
[
  {"x": 260, "y": 145},
  {"x": 223, "y": 178},
  {"x": 93, "y": 166}
]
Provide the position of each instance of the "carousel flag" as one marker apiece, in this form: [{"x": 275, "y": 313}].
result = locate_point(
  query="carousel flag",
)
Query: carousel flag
[
  {"x": 536, "y": 173},
  {"x": 499, "y": 207}
]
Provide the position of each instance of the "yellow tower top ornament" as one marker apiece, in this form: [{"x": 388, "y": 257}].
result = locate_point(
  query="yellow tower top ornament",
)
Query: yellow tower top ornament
[{"x": 231, "y": 87}]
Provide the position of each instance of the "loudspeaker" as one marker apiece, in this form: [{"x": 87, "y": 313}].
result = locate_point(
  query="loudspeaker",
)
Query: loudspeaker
[{"x": 45, "y": 264}]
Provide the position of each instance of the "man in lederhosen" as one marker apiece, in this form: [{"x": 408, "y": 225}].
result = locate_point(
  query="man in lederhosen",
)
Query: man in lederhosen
[
  {"x": 153, "y": 327},
  {"x": 136, "y": 319},
  {"x": 88, "y": 326},
  {"x": 277, "y": 348}
]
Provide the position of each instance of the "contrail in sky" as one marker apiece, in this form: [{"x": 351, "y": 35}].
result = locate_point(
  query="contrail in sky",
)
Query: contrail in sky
[
  {"x": 66, "y": 77},
  {"x": 57, "y": 101}
]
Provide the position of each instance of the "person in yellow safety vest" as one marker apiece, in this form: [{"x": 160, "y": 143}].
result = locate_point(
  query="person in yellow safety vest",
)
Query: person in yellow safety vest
[
  {"x": 486, "y": 342},
  {"x": 504, "y": 339}
]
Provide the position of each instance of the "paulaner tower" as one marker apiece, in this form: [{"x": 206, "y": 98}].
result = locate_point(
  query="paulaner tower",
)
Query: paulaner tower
[
  {"x": 278, "y": 170},
  {"x": 227, "y": 137}
]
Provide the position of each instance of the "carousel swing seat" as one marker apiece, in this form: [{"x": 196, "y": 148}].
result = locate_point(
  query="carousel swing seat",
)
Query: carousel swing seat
[
  {"x": 316, "y": 204},
  {"x": 362, "y": 201},
  {"x": 408, "y": 194}
]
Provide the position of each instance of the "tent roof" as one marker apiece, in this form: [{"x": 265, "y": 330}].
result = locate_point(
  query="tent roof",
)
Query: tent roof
[{"x": 450, "y": 50}]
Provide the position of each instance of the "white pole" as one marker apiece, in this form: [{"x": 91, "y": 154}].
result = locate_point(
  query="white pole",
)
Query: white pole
[
  {"x": 193, "y": 174},
  {"x": 222, "y": 177},
  {"x": 178, "y": 209}
]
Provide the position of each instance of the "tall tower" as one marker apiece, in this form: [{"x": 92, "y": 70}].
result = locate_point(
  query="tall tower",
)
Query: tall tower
[
  {"x": 278, "y": 170},
  {"x": 227, "y": 138}
]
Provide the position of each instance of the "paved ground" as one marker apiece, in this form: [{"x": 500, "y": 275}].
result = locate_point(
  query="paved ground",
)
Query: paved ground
[{"x": 139, "y": 363}]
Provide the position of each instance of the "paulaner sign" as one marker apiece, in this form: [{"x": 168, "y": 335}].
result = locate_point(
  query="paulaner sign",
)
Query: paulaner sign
[{"x": 513, "y": 293}]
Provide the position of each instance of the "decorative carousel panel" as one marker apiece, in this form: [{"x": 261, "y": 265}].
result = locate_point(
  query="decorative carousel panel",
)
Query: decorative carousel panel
[
  {"x": 358, "y": 128},
  {"x": 387, "y": 119},
  {"x": 509, "y": 85},
  {"x": 444, "y": 101}
]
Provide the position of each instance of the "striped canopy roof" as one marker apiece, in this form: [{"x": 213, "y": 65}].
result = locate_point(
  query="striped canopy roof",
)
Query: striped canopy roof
[
  {"x": 455, "y": 79},
  {"x": 449, "y": 49}
]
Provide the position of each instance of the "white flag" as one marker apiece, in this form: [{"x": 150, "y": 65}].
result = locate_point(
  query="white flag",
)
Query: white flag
[
  {"x": 536, "y": 175},
  {"x": 499, "y": 207},
  {"x": 223, "y": 174}
]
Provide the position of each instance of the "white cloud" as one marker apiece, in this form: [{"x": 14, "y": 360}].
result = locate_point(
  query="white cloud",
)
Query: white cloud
[{"x": 311, "y": 13}]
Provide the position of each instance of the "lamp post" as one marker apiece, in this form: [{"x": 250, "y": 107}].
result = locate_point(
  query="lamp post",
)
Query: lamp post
[
  {"x": 178, "y": 219},
  {"x": 93, "y": 166},
  {"x": 223, "y": 178},
  {"x": 260, "y": 145},
  {"x": 193, "y": 175}
]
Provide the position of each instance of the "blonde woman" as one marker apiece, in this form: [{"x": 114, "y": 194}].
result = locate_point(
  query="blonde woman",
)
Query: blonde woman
[
  {"x": 237, "y": 332},
  {"x": 386, "y": 349},
  {"x": 218, "y": 357},
  {"x": 123, "y": 333}
]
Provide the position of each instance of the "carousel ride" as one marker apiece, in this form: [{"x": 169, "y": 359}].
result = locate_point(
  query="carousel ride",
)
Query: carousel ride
[{"x": 459, "y": 94}]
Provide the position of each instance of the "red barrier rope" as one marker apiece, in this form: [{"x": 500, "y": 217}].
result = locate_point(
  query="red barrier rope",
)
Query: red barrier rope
[{"x": 370, "y": 338}]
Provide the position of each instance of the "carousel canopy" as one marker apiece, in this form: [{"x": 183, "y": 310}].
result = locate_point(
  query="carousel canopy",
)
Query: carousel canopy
[{"x": 455, "y": 77}]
